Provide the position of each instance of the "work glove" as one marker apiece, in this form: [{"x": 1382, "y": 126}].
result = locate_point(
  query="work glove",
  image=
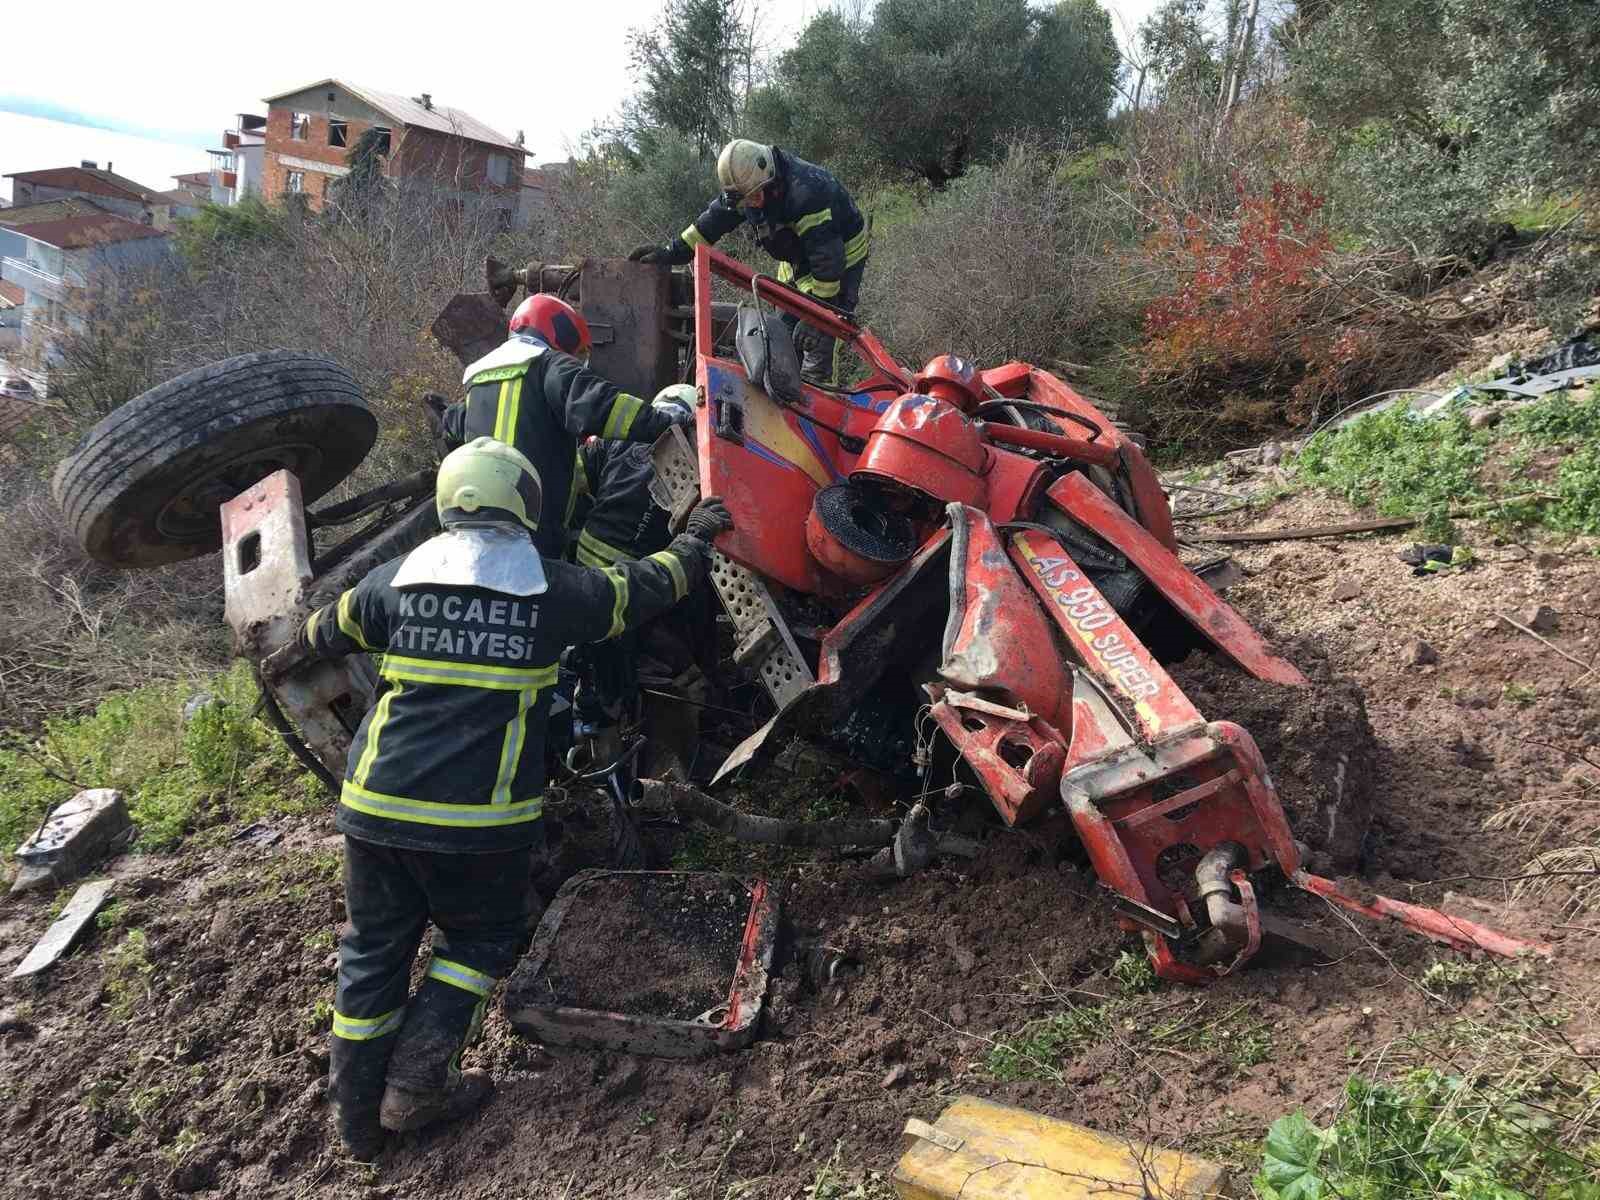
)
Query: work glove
[
  {"x": 651, "y": 254},
  {"x": 709, "y": 518},
  {"x": 433, "y": 406}
]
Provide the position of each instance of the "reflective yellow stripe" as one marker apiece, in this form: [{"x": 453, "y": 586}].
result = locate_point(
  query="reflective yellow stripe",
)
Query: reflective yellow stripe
[
  {"x": 460, "y": 975},
  {"x": 623, "y": 411},
  {"x": 364, "y": 1029},
  {"x": 856, "y": 248},
  {"x": 424, "y": 812},
  {"x": 496, "y": 374},
  {"x": 311, "y": 626},
  {"x": 811, "y": 220},
  {"x": 593, "y": 552},
  {"x": 466, "y": 674},
  {"x": 692, "y": 237},
  {"x": 785, "y": 272},
  {"x": 680, "y": 579},
  {"x": 511, "y": 748},
  {"x": 364, "y": 767},
  {"x": 619, "y": 610},
  {"x": 824, "y": 289},
  {"x": 506, "y": 409},
  {"x": 348, "y": 622}
]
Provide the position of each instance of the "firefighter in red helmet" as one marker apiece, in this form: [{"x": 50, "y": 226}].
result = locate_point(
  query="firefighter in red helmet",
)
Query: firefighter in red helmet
[{"x": 536, "y": 393}]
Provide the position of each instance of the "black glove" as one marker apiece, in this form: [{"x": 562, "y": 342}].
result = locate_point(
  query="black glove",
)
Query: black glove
[
  {"x": 709, "y": 518},
  {"x": 651, "y": 254}
]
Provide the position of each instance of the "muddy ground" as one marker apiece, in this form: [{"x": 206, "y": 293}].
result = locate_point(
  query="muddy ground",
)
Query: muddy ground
[{"x": 195, "y": 1068}]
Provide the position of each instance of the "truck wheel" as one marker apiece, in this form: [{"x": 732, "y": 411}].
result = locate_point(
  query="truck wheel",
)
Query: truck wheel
[{"x": 143, "y": 487}]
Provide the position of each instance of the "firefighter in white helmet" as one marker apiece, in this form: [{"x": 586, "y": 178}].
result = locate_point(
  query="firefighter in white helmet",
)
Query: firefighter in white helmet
[
  {"x": 802, "y": 216},
  {"x": 443, "y": 792}
]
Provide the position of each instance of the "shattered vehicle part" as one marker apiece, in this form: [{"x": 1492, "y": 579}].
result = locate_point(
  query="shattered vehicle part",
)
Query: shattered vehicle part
[
  {"x": 76, "y": 833},
  {"x": 993, "y": 582},
  {"x": 534, "y": 991},
  {"x": 64, "y": 933}
]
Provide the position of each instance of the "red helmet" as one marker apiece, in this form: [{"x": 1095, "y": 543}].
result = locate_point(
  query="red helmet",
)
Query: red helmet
[{"x": 554, "y": 322}]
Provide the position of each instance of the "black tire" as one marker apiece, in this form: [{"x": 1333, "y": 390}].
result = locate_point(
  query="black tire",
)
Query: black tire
[{"x": 143, "y": 487}]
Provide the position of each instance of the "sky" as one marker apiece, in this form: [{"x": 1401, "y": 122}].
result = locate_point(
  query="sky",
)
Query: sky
[{"x": 162, "y": 87}]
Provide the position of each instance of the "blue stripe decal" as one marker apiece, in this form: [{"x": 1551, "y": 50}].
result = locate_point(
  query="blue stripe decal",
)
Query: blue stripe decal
[
  {"x": 770, "y": 456},
  {"x": 809, "y": 432}
]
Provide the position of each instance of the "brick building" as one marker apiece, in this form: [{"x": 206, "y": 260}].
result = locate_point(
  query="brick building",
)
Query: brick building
[
  {"x": 108, "y": 190},
  {"x": 311, "y": 130}
]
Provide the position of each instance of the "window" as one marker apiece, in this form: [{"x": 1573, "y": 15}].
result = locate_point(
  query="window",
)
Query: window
[
  {"x": 382, "y": 139},
  {"x": 499, "y": 168},
  {"x": 297, "y": 181},
  {"x": 338, "y": 133},
  {"x": 300, "y": 126}
]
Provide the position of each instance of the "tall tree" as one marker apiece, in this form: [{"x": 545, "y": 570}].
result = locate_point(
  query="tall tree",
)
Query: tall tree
[
  {"x": 926, "y": 88},
  {"x": 694, "y": 71}
]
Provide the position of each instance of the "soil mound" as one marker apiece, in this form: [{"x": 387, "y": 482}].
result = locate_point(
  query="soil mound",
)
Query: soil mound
[{"x": 1317, "y": 741}]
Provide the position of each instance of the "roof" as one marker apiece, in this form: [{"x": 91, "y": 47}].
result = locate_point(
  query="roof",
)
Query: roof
[
  {"x": 196, "y": 179},
  {"x": 88, "y": 179},
  {"x": 185, "y": 196},
  {"x": 49, "y": 210},
  {"x": 74, "y": 233},
  {"x": 405, "y": 111},
  {"x": 11, "y": 296}
]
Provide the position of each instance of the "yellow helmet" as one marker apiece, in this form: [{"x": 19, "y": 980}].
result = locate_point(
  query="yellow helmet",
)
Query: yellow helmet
[
  {"x": 486, "y": 474},
  {"x": 745, "y": 167}
]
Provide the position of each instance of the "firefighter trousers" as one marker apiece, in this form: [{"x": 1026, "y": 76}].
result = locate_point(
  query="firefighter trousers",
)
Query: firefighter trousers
[
  {"x": 821, "y": 359},
  {"x": 479, "y": 905}
]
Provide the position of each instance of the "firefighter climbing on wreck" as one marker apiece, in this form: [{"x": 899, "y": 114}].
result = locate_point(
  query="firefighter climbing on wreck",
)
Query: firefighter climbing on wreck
[
  {"x": 802, "y": 216},
  {"x": 442, "y": 796}
]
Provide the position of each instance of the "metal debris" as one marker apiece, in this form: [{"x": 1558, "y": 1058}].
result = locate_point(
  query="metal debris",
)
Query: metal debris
[{"x": 59, "y": 938}]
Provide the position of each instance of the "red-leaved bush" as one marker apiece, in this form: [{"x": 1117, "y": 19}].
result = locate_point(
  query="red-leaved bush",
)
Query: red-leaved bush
[{"x": 1268, "y": 325}]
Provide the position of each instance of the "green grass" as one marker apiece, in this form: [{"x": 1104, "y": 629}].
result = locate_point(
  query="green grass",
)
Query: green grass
[
  {"x": 178, "y": 779},
  {"x": 1429, "y": 1134},
  {"x": 1403, "y": 465},
  {"x": 1232, "y": 1037},
  {"x": 128, "y": 972},
  {"x": 1036, "y": 1050},
  {"x": 1537, "y": 216}
]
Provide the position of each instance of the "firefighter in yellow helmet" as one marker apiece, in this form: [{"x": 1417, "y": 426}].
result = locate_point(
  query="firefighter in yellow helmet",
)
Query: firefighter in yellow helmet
[
  {"x": 802, "y": 216},
  {"x": 443, "y": 792}
]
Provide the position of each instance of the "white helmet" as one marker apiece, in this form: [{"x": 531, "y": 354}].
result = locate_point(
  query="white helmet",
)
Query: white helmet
[{"x": 745, "y": 167}]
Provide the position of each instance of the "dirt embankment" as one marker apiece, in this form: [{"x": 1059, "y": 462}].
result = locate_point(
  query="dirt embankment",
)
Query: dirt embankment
[{"x": 193, "y": 1066}]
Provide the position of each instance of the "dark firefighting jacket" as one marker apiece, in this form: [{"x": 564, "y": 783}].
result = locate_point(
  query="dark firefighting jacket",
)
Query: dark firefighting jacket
[
  {"x": 623, "y": 521},
  {"x": 451, "y": 756},
  {"x": 542, "y": 405},
  {"x": 812, "y": 227}
]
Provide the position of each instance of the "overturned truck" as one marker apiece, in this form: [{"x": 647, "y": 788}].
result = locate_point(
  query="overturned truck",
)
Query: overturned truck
[{"x": 979, "y": 552}]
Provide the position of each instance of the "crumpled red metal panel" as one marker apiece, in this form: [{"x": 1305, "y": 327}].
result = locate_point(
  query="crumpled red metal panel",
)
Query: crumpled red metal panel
[{"x": 997, "y": 638}]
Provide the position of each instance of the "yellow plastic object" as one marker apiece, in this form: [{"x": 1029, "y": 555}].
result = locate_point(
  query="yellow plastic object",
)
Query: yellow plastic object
[{"x": 983, "y": 1151}]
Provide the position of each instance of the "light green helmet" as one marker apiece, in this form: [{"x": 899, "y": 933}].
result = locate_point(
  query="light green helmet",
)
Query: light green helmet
[{"x": 486, "y": 482}]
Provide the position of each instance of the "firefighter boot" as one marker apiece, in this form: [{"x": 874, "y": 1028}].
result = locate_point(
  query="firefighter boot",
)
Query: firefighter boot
[
  {"x": 356, "y": 1071},
  {"x": 426, "y": 1083}
]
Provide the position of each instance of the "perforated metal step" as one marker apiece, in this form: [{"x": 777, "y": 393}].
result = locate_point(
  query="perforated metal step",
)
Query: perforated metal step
[{"x": 762, "y": 639}]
